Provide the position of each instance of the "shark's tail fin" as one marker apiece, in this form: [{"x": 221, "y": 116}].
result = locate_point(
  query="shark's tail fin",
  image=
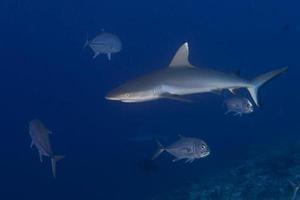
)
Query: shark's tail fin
[
  {"x": 295, "y": 189},
  {"x": 160, "y": 149},
  {"x": 54, "y": 159},
  {"x": 257, "y": 82}
]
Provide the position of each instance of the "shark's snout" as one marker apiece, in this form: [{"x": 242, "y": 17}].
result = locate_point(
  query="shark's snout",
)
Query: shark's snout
[
  {"x": 117, "y": 95},
  {"x": 112, "y": 96}
]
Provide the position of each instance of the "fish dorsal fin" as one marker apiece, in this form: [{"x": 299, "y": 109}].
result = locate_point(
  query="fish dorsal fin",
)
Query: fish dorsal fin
[{"x": 181, "y": 58}]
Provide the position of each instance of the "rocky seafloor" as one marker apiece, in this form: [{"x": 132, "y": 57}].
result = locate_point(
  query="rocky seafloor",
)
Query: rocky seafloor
[{"x": 265, "y": 176}]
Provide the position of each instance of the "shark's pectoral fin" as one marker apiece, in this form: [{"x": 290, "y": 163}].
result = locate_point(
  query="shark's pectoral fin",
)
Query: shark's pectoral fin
[
  {"x": 181, "y": 58},
  {"x": 175, "y": 97}
]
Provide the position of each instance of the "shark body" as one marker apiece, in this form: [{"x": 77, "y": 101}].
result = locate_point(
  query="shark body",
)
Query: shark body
[{"x": 181, "y": 78}]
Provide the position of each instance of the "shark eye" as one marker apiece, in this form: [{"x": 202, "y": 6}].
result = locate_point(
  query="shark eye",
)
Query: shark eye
[{"x": 126, "y": 95}]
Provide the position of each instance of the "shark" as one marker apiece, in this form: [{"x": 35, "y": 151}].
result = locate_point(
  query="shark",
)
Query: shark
[{"x": 181, "y": 78}]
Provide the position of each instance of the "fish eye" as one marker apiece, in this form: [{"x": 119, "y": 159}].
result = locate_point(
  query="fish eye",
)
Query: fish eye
[{"x": 202, "y": 147}]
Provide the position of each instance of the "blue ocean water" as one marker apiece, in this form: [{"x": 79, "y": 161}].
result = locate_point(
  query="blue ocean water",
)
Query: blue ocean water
[{"x": 46, "y": 75}]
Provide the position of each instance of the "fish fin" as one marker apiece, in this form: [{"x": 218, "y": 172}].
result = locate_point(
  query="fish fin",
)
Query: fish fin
[
  {"x": 87, "y": 42},
  {"x": 160, "y": 149},
  {"x": 227, "y": 112},
  {"x": 189, "y": 160},
  {"x": 238, "y": 114},
  {"x": 96, "y": 54},
  {"x": 259, "y": 81},
  {"x": 291, "y": 183},
  {"x": 181, "y": 58},
  {"x": 109, "y": 56},
  {"x": 31, "y": 144},
  {"x": 54, "y": 159},
  {"x": 176, "y": 159},
  {"x": 41, "y": 156},
  {"x": 175, "y": 97},
  {"x": 295, "y": 187}
]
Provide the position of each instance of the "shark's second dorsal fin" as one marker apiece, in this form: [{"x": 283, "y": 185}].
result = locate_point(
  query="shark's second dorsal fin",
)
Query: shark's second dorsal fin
[{"x": 181, "y": 58}]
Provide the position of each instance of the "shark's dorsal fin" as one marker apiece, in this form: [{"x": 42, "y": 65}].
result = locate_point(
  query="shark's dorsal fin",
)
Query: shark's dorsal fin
[{"x": 181, "y": 58}]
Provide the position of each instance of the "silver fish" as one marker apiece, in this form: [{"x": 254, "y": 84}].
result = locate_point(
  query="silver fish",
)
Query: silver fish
[
  {"x": 40, "y": 139},
  {"x": 104, "y": 43},
  {"x": 182, "y": 78},
  {"x": 188, "y": 148},
  {"x": 238, "y": 105}
]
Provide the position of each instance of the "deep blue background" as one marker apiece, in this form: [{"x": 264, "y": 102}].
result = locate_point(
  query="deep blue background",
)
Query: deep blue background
[{"x": 44, "y": 74}]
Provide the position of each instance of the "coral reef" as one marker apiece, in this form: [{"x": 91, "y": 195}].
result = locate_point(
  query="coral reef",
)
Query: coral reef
[{"x": 268, "y": 176}]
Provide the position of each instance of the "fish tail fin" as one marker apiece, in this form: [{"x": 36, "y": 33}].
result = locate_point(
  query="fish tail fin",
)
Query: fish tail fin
[
  {"x": 295, "y": 188},
  {"x": 259, "y": 81},
  {"x": 87, "y": 42},
  {"x": 160, "y": 149},
  {"x": 54, "y": 160}
]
